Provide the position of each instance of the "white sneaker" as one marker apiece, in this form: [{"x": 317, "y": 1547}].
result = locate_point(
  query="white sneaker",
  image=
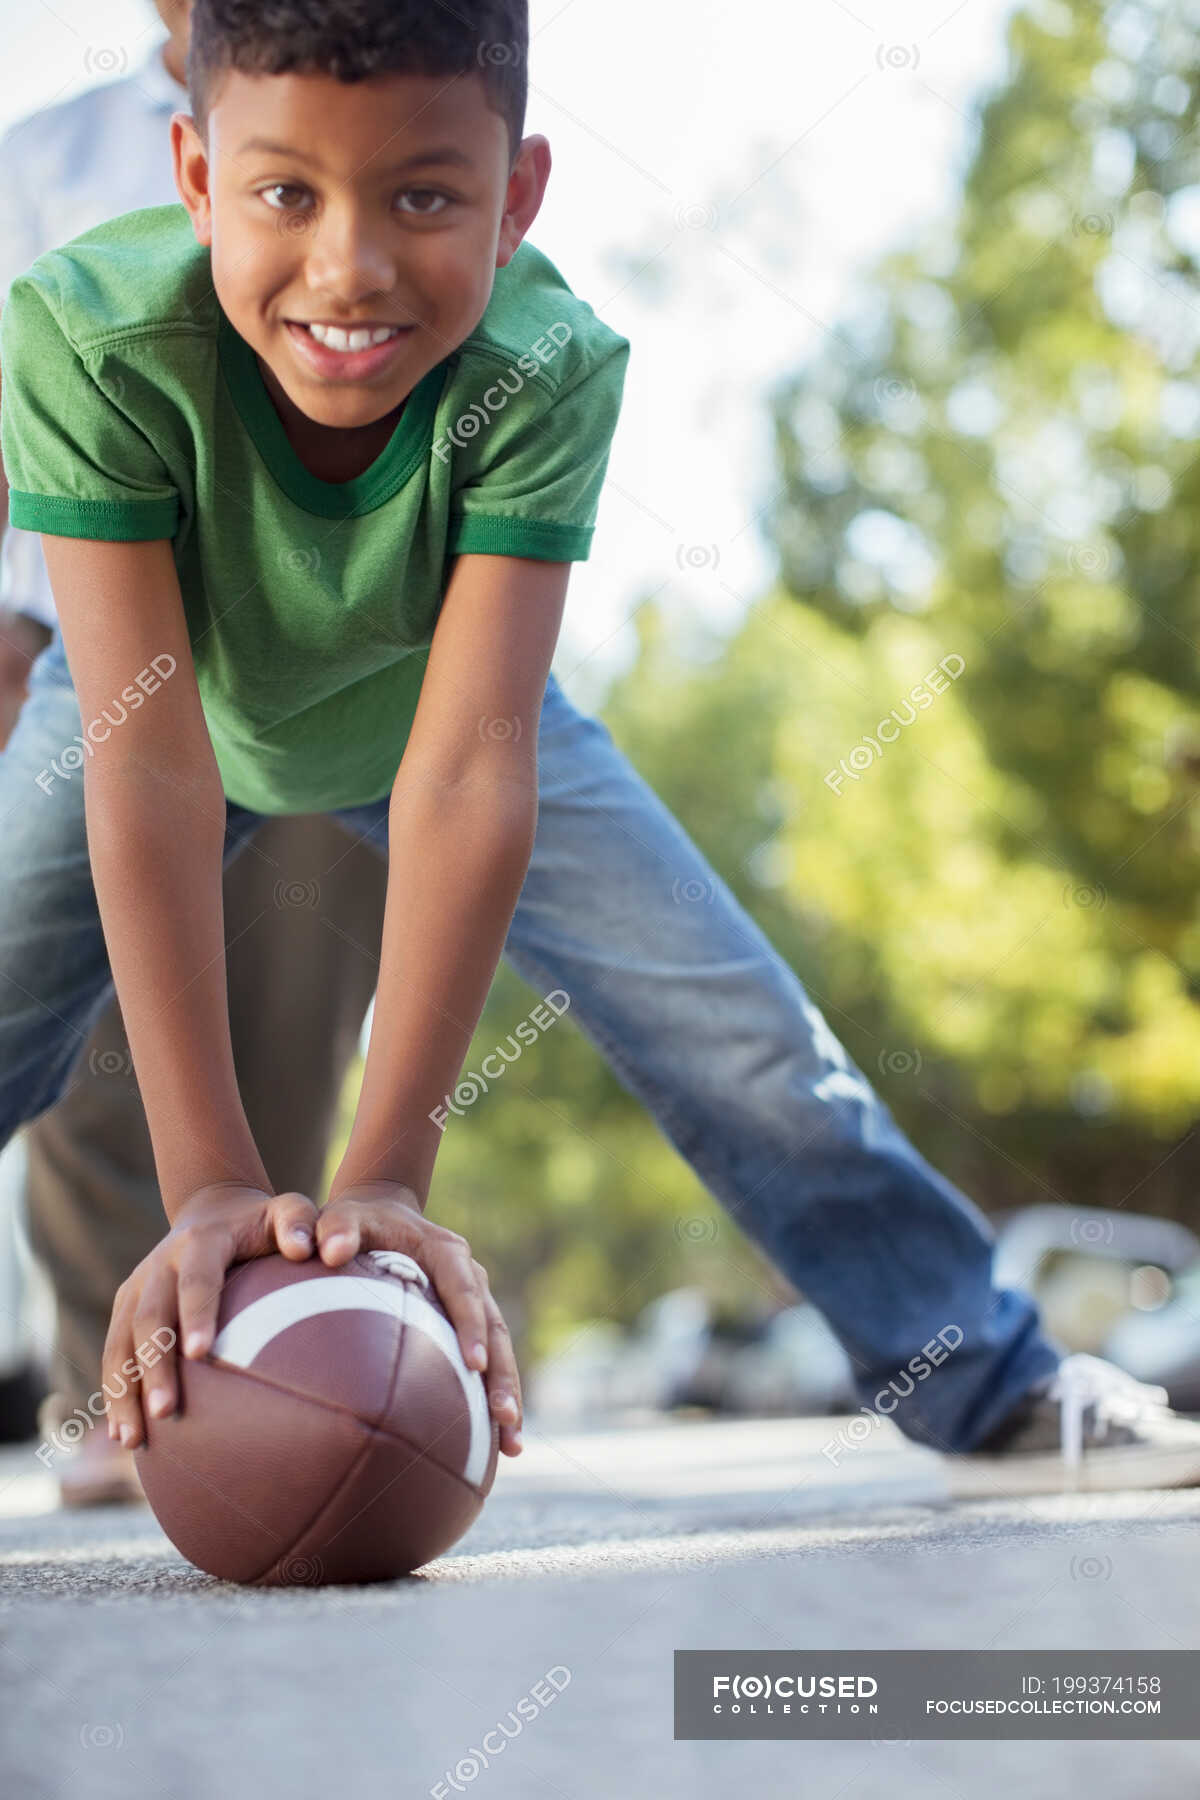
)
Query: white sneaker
[{"x": 1091, "y": 1428}]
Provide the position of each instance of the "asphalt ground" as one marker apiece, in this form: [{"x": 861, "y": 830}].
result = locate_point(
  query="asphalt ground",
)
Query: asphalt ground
[{"x": 125, "y": 1671}]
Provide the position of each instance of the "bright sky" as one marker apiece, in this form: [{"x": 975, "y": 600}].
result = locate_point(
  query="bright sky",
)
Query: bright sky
[{"x": 719, "y": 174}]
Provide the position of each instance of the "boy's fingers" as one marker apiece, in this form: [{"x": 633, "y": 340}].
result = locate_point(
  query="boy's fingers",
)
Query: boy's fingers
[
  {"x": 338, "y": 1234},
  {"x": 511, "y": 1441},
  {"x": 198, "y": 1298},
  {"x": 504, "y": 1382},
  {"x": 457, "y": 1279},
  {"x": 157, "y": 1308},
  {"x": 120, "y": 1394},
  {"x": 294, "y": 1220}
]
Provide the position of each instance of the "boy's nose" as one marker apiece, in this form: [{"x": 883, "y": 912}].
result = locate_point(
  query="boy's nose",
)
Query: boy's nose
[{"x": 348, "y": 262}]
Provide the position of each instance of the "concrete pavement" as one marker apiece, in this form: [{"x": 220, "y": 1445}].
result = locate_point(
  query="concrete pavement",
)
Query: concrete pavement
[{"x": 124, "y": 1670}]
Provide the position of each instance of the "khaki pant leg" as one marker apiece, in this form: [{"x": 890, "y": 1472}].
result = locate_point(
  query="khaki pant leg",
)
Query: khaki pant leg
[{"x": 301, "y": 975}]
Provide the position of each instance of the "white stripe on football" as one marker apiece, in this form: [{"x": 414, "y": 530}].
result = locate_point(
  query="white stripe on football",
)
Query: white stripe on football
[{"x": 250, "y": 1331}]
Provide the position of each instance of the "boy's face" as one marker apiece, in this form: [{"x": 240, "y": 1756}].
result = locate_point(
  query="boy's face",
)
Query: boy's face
[{"x": 353, "y": 221}]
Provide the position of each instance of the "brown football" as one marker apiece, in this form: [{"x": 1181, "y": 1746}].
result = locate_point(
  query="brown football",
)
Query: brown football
[{"x": 332, "y": 1433}]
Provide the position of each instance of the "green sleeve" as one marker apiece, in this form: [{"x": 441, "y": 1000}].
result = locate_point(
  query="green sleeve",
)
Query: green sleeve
[
  {"x": 535, "y": 461},
  {"x": 76, "y": 465}
]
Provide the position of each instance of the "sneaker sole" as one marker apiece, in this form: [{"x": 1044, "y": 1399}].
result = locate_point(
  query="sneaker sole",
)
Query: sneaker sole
[{"x": 1101, "y": 1471}]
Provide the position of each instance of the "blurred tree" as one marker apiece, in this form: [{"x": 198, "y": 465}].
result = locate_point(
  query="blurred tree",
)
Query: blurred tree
[{"x": 995, "y": 465}]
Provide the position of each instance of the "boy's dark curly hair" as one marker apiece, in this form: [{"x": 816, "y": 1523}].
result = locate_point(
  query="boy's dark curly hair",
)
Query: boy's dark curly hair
[{"x": 354, "y": 39}]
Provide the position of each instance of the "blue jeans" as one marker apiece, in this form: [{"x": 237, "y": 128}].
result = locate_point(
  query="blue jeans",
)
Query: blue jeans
[{"x": 696, "y": 1013}]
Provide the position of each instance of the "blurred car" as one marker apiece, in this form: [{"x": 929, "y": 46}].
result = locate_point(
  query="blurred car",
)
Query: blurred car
[
  {"x": 26, "y": 1308},
  {"x": 1163, "y": 1345},
  {"x": 679, "y": 1354},
  {"x": 1118, "y": 1284}
]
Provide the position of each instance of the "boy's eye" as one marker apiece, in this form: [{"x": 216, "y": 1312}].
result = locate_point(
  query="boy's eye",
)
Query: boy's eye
[
  {"x": 281, "y": 187},
  {"x": 426, "y": 194}
]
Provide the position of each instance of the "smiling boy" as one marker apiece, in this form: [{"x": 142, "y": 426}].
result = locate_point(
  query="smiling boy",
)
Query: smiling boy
[{"x": 274, "y": 598}]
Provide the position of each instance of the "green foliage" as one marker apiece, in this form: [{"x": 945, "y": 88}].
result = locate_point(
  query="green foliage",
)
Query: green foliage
[{"x": 996, "y": 462}]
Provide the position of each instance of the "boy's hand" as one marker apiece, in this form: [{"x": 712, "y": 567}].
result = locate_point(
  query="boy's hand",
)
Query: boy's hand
[
  {"x": 384, "y": 1215},
  {"x": 173, "y": 1296}
]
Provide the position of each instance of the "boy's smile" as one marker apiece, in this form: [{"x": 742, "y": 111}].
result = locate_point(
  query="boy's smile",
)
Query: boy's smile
[{"x": 335, "y": 210}]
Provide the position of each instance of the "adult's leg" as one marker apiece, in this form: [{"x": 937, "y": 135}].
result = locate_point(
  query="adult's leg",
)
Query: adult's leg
[
  {"x": 303, "y": 943},
  {"x": 703, "y": 1021}
]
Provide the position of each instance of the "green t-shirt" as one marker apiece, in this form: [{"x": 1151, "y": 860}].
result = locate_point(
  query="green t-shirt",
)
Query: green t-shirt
[{"x": 132, "y": 410}]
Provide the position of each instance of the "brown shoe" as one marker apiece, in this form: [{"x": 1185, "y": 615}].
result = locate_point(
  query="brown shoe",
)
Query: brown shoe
[{"x": 100, "y": 1473}]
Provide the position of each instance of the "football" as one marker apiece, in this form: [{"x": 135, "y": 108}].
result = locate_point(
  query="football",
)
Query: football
[{"x": 333, "y": 1433}]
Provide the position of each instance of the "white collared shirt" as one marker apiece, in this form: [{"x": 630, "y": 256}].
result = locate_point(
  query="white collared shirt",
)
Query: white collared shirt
[{"x": 62, "y": 170}]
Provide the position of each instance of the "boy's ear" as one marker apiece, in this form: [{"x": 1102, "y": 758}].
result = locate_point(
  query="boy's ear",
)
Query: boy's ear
[
  {"x": 522, "y": 202},
  {"x": 191, "y": 174}
]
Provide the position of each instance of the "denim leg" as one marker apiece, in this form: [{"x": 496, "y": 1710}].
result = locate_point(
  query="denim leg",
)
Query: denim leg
[
  {"x": 54, "y": 972},
  {"x": 703, "y": 1021}
]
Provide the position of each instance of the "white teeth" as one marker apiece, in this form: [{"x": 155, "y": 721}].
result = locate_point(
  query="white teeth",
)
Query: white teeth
[{"x": 334, "y": 338}]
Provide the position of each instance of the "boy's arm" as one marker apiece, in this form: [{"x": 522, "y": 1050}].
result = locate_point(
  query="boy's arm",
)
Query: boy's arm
[
  {"x": 461, "y": 824},
  {"x": 155, "y": 810}
]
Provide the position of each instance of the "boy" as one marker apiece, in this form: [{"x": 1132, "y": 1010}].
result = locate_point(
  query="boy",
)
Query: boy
[{"x": 248, "y": 512}]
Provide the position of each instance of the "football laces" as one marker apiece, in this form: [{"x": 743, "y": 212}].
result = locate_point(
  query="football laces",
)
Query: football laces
[{"x": 395, "y": 1262}]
